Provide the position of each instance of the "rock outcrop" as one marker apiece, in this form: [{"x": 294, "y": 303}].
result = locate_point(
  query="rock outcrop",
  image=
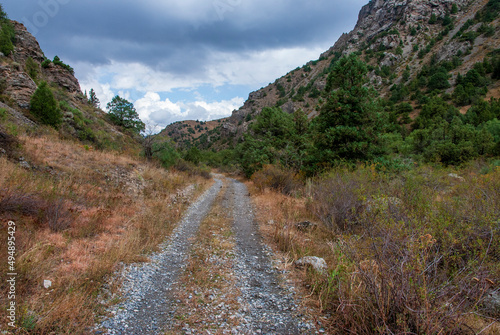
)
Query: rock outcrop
[
  {"x": 19, "y": 86},
  {"x": 17, "y": 83}
]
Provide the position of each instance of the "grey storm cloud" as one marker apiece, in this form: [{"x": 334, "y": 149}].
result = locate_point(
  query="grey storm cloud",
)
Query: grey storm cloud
[{"x": 177, "y": 36}]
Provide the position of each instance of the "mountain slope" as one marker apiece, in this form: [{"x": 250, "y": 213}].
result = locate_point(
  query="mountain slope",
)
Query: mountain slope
[
  {"x": 397, "y": 39},
  {"x": 22, "y": 70}
]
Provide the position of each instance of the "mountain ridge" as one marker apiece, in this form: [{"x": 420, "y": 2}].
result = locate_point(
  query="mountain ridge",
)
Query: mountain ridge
[{"x": 393, "y": 37}]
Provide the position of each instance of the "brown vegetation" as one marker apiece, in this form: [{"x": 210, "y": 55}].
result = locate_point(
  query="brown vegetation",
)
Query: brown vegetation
[
  {"x": 413, "y": 253},
  {"x": 79, "y": 214}
]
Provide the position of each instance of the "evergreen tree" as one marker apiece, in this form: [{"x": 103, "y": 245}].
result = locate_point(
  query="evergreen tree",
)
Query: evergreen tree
[
  {"x": 345, "y": 128},
  {"x": 122, "y": 113},
  {"x": 44, "y": 106},
  {"x": 93, "y": 100},
  {"x": 7, "y": 33}
]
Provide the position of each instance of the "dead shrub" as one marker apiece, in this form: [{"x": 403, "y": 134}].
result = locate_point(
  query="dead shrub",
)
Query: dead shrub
[
  {"x": 57, "y": 215},
  {"x": 336, "y": 202},
  {"x": 8, "y": 143},
  {"x": 22, "y": 203},
  {"x": 277, "y": 178},
  {"x": 398, "y": 285}
]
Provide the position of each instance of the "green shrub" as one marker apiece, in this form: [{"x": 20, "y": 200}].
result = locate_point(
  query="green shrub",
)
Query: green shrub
[
  {"x": 486, "y": 30},
  {"x": 46, "y": 63},
  {"x": 3, "y": 85},
  {"x": 438, "y": 81},
  {"x": 433, "y": 19},
  {"x": 44, "y": 106},
  {"x": 32, "y": 69},
  {"x": 57, "y": 61}
]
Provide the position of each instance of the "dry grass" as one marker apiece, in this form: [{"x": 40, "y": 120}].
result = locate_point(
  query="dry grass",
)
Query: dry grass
[
  {"x": 79, "y": 214},
  {"x": 415, "y": 253},
  {"x": 208, "y": 280}
]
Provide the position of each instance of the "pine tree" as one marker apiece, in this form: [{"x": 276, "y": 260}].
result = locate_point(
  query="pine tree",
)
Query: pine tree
[
  {"x": 123, "y": 113},
  {"x": 93, "y": 100},
  {"x": 44, "y": 106},
  {"x": 345, "y": 128}
]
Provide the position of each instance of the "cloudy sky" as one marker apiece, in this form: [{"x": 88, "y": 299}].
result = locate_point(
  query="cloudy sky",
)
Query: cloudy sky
[{"x": 183, "y": 59}]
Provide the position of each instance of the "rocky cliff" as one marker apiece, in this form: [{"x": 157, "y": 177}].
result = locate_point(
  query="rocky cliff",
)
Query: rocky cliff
[
  {"x": 19, "y": 86},
  {"x": 25, "y": 68},
  {"x": 396, "y": 38}
]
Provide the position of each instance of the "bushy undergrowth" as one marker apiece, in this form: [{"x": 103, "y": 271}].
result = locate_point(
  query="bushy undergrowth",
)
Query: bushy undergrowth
[
  {"x": 192, "y": 169},
  {"x": 421, "y": 251},
  {"x": 277, "y": 178},
  {"x": 415, "y": 252}
]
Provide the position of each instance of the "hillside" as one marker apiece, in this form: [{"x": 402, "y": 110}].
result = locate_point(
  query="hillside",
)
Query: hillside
[
  {"x": 184, "y": 132},
  {"x": 25, "y": 68},
  {"x": 76, "y": 199},
  {"x": 400, "y": 41}
]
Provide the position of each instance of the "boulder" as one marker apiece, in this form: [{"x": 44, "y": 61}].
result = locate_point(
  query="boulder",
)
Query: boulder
[
  {"x": 318, "y": 264},
  {"x": 382, "y": 203},
  {"x": 491, "y": 303},
  {"x": 456, "y": 176}
]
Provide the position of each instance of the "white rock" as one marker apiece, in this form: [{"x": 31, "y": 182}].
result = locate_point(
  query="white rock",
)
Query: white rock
[
  {"x": 456, "y": 176},
  {"x": 317, "y": 263},
  {"x": 47, "y": 284}
]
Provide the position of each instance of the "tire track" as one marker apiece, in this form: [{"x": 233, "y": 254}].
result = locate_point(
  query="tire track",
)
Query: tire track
[
  {"x": 266, "y": 306},
  {"x": 248, "y": 300},
  {"x": 147, "y": 288}
]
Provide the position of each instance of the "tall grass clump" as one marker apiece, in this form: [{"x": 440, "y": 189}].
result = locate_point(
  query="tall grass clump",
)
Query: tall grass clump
[
  {"x": 418, "y": 252},
  {"x": 277, "y": 178},
  {"x": 411, "y": 252}
]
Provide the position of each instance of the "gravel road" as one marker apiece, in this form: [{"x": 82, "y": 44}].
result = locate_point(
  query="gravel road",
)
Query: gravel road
[{"x": 148, "y": 302}]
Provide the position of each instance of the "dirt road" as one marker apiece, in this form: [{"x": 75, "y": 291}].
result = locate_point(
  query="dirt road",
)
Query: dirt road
[{"x": 152, "y": 293}]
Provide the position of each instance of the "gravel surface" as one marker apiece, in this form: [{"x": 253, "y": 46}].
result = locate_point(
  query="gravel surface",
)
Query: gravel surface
[
  {"x": 264, "y": 304},
  {"x": 267, "y": 305},
  {"x": 146, "y": 288}
]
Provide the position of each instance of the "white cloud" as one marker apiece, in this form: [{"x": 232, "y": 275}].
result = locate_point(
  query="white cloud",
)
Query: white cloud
[
  {"x": 253, "y": 69},
  {"x": 258, "y": 68},
  {"x": 160, "y": 113}
]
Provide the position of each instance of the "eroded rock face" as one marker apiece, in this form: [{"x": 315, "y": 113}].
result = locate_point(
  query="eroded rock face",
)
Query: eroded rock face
[
  {"x": 62, "y": 77},
  {"x": 26, "y": 45},
  {"x": 382, "y": 26},
  {"x": 18, "y": 84}
]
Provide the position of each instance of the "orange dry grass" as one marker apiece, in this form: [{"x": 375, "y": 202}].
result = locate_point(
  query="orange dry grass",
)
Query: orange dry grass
[
  {"x": 278, "y": 213},
  {"x": 118, "y": 208},
  {"x": 70, "y": 157}
]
